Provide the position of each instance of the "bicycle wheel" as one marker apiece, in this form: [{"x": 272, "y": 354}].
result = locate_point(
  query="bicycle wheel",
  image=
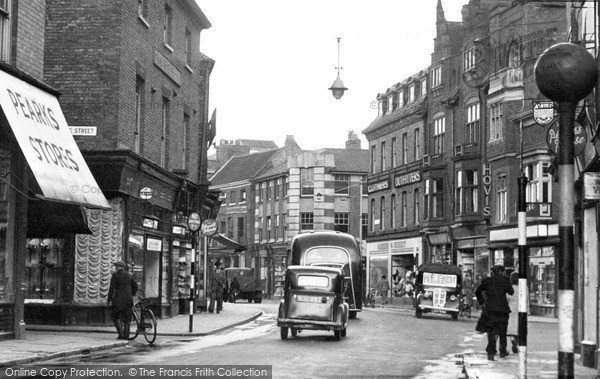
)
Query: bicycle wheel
[
  {"x": 135, "y": 324},
  {"x": 149, "y": 326}
]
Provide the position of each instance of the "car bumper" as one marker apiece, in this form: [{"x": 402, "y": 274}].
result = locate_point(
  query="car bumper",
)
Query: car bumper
[{"x": 309, "y": 325}]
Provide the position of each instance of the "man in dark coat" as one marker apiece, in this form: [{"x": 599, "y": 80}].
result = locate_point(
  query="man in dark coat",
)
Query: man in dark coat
[
  {"x": 491, "y": 293},
  {"x": 217, "y": 284},
  {"x": 120, "y": 298}
]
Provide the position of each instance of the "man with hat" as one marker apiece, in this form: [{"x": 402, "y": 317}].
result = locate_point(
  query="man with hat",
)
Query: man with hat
[
  {"x": 120, "y": 298},
  {"x": 217, "y": 284},
  {"x": 491, "y": 293}
]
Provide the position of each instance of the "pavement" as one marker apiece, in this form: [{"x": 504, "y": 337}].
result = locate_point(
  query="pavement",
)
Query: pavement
[{"x": 43, "y": 342}]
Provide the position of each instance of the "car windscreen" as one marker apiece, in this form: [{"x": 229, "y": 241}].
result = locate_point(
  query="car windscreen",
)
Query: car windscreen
[{"x": 326, "y": 255}]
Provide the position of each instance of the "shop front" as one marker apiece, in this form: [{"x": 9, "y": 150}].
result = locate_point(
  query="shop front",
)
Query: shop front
[
  {"x": 397, "y": 259},
  {"x": 44, "y": 183},
  {"x": 542, "y": 242}
]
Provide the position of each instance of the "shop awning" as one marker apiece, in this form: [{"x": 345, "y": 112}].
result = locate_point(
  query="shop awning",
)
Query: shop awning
[
  {"x": 438, "y": 238},
  {"x": 228, "y": 243},
  {"x": 43, "y": 134},
  {"x": 51, "y": 219}
]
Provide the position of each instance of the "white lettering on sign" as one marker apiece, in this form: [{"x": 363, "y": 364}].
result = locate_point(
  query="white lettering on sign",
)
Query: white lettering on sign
[
  {"x": 407, "y": 179},
  {"x": 441, "y": 280},
  {"x": 487, "y": 187},
  {"x": 46, "y": 142},
  {"x": 378, "y": 186}
]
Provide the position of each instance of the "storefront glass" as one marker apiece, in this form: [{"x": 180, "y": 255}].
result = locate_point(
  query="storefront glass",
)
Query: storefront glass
[
  {"x": 42, "y": 267},
  {"x": 152, "y": 266},
  {"x": 378, "y": 266},
  {"x": 402, "y": 267},
  {"x": 542, "y": 272}
]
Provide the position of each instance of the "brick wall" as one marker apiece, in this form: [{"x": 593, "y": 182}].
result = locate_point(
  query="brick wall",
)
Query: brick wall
[
  {"x": 95, "y": 50},
  {"x": 28, "y": 37}
]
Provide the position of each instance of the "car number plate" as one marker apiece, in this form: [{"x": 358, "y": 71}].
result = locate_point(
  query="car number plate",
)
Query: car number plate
[
  {"x": 309, "y": 299},
  {"x": 438, "y": 311}
]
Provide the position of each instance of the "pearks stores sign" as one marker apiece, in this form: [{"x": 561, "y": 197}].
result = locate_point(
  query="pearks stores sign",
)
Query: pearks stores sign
[{"x": 46, "y": 142}]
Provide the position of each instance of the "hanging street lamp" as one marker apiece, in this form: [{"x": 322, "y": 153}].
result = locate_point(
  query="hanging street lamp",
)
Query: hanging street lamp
[{"x": 337, "y": 88}]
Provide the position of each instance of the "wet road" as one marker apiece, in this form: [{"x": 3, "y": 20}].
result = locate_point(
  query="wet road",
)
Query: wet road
[{"x": 378, "y": 343}]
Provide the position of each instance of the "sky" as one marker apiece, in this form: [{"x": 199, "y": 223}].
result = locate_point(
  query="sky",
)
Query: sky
[{"x": 276, "y": 59}]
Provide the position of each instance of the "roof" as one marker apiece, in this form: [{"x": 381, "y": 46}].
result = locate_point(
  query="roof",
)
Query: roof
[
  {"x": 240, "y": 168},
  {"x": 397, "y": 114},
  {"x": 349, "y": 160}
]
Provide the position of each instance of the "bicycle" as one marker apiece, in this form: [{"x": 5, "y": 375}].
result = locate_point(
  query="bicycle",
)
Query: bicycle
[
  {"x": 370, "y": 299},
  {"x": 145, "y": 321},
  {"x": 465, "y": 306}
]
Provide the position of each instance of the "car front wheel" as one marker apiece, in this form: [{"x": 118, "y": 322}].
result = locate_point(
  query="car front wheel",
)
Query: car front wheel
[
  {"x": 337, "y": 335},
  {"x": 284, "y": 332}
]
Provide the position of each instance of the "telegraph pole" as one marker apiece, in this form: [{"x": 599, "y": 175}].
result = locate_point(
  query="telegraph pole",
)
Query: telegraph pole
[{"x": 566, "y": 73}]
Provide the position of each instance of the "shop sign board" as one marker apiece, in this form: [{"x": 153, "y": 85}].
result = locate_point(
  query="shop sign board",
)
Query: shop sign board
[
  {"x": 591, "y": 185},
  {"x": 153, "y": 244},
  {"x": 43, "y": 135}
]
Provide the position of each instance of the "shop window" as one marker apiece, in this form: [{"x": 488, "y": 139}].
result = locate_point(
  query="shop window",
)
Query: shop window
[
  {"x": 541, "y": 275},
  {"x": 42, "y": 268},
  {"x": 378, "y": 266},
  {"x": 403, "y": 267}
]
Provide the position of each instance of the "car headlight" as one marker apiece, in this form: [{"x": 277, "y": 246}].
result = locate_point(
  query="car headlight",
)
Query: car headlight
[
  {"x": 427, "y": 295},
  {"x": 452, "y": 298}
]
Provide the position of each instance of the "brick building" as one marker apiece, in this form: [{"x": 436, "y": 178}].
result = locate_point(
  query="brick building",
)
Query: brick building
[
  {"x": 477, "y": 115},
  {"x": 136, "y": 93},
  {"x": 269, "y": 197},
  {"x": 395, "y": 183},
  {"x": 40, "y": 165}
]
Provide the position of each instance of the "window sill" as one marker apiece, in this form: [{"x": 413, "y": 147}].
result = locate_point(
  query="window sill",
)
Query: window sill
[
  {"x": 143, "y": 21},
  {"x": 168, "y": 47},
  {"x": 187, "y": 67}
]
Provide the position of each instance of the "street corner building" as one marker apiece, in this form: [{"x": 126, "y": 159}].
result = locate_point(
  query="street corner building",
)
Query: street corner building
[{"x": 104, "y": 128}]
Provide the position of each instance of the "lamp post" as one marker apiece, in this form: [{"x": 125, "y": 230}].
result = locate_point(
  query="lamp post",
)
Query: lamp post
[
  {"x": 337, "y": 88},
  {"x": 566, "y": 73}
]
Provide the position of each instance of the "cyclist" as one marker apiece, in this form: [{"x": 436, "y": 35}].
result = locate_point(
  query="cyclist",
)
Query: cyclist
[{"x": 120, "y": 298}]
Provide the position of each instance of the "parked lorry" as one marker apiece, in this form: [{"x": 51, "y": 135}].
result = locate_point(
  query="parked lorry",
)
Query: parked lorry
[{"x": 251, "y": 288}]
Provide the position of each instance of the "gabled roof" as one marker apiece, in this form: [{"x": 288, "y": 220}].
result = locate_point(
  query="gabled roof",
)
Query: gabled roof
[
  {"x": 349, "y": 160},
  {"x": 240, "y": 168}
]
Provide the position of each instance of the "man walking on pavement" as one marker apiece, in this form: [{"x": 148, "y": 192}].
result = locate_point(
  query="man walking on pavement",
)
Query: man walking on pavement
[
  {"x": 491, "y": 293},
  {"x": 120, "y": 298},
  {"x": 217, "y": 283}
]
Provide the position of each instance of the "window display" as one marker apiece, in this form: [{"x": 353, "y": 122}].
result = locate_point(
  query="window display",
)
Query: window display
[{"x": 43, "y": 263}]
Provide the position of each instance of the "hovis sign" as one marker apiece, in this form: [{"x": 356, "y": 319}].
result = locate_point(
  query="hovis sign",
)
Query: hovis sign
[{"x": 46, "y": 142}]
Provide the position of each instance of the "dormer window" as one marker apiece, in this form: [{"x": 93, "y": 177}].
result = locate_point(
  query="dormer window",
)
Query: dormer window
[
  {"x": 390, "y": 103},
  {"x": 411, "y": 93},
  {"x": 423, "y": 87},
  {"x": 400, "y": 99}
]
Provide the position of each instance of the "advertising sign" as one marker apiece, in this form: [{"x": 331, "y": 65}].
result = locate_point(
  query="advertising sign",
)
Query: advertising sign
[
  {"x": 47, "y": 143},
  {"x": 543, "y": 112},
  {"x": 591, "y": 185},
  {"x": 553, "y": 138},
  {"x": 440, "y": 280},
  {"x": 208, "y": 227}
]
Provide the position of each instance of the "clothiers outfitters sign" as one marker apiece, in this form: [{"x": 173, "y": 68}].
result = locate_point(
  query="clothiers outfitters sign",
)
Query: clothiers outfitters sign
[{"x": 46, "y": 142}]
